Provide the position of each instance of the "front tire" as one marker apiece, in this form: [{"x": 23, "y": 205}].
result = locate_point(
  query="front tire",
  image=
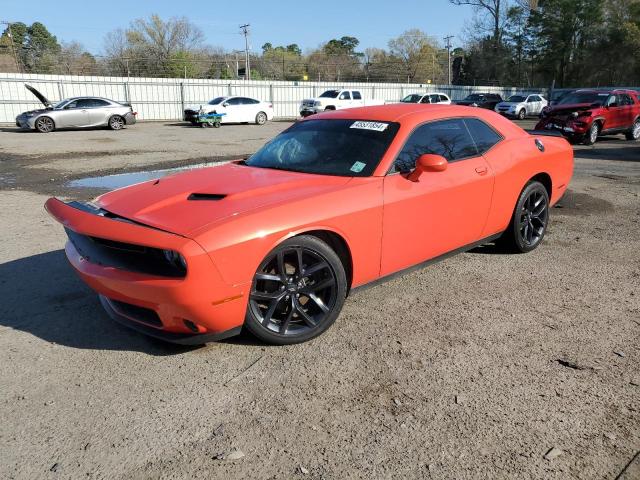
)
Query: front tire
[
  {"x": 45, "y": 125},
  {"x": 529, "y": 221},
  {"x": 297, "y": 292},
  {"x": 261, "y": 118},
  {"x": 522, "y": 114},
  {"x": 592, "y": 135},
  {"x": 116, "y": 122},
  {"x": 634, "y": 133}
]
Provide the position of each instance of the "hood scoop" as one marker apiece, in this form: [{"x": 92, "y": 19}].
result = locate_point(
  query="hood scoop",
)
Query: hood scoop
[{"x": 206, "y": 196}]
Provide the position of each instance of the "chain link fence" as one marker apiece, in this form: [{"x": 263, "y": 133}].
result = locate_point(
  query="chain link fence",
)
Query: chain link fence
[{"x": 166, "y": 98}]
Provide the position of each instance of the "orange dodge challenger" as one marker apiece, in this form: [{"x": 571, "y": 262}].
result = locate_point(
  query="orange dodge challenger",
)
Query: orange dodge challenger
[{"x": 274, "y": 243}]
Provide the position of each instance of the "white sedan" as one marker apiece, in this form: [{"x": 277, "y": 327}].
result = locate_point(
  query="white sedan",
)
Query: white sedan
[
  {"x": 437, "y": 97},
  {"x": 235, "y": 110},
  {"x": 522, "y": 106}
]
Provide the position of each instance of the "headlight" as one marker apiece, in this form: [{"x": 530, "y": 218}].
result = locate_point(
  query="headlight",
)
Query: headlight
[
  {"x": 573, "y": 114},
  {"x": 317, "y": 103},
  {"x": 28, "y": 114},
  {"x": 474, "y": 104},
  {"x": 175, "y": 259}
]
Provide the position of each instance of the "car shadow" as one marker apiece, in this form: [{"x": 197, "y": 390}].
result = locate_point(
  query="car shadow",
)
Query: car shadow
[
  {"x": 43, "y": 297},
  {"x": 15, "y": 130},
  {"x": 622, "y": 151}
]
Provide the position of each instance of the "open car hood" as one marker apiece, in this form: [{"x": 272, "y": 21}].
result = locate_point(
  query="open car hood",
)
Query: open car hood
[
  {"x": 39, "y": 96},
  {"x": 187, "y": 203},
  {"x": 574, "y": 107}
]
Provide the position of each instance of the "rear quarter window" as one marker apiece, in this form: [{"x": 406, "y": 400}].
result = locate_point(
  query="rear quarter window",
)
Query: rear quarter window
[{"x": 484, "y": 136}]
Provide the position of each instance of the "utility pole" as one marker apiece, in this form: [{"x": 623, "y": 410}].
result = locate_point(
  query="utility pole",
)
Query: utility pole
[
  {"x": 448, "y": 45},
  {"x": 245, "y": 32},
  {"x": 13, "y": 46}
]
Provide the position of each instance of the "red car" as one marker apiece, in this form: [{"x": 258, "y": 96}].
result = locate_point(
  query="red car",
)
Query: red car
[
  {"x": 275, "y": 243},
  {"x": 584, "y": 114}
]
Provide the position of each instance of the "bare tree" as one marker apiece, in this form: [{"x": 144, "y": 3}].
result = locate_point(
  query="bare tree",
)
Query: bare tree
[{"x": 417, "y": 53}]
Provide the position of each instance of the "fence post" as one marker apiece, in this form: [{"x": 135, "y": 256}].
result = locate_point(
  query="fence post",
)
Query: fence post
[
  {"x": 60, "y": 91},
  {"x": 271, "y": 93},
  {"x": 127, "y": 93},
  {"x": 229, "y": 92},
  {"x": 181, "y": 100}
]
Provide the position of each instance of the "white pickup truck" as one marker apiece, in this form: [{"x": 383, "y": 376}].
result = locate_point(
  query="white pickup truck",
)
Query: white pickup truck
[{"x": 335, "y": 100}]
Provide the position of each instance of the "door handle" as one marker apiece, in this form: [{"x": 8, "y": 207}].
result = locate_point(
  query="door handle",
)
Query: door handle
[{"x": 481, "y": 170}]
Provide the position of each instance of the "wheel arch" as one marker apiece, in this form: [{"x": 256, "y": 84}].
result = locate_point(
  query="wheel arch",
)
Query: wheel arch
[
  {"x": 545, "y": 179},
  {"x": 45, "y": 116},
  {"x": 339, "y": 245}
]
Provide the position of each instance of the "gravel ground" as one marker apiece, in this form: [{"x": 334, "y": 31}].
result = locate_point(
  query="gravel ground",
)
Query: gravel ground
[{"x": 485, "y": 365}]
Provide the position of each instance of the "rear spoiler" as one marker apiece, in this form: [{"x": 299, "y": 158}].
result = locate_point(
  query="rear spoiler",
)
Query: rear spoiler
[{"x": 546, "y": 133}]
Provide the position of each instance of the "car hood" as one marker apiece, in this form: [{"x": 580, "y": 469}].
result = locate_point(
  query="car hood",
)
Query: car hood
[
  {"x": 575, "y": 107},
  {"x": 510, "y": 104},
  {"x": 36, "y": 112},
  {"x": 39, "y": 96},
  {"x": 188, "y": 202}
]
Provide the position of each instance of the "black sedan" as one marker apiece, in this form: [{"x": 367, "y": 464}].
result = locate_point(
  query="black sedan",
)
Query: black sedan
[{"x": 482, "y": 100}]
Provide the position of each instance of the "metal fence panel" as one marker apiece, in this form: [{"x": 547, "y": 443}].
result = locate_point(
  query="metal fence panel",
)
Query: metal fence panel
[{"x": 165, "y": 98}]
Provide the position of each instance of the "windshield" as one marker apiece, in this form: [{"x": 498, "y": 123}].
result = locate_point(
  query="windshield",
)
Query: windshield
[
  {"x": 216, "y": 101},
  {"x": 516, "y": 98},
  {"x": 413, "y": 98},
  {"x": 349, "y": 148},
  {"x": 475, "y": 96},
  {"x": 584, "y": 97},
  {"x": 330, "y": 94}
]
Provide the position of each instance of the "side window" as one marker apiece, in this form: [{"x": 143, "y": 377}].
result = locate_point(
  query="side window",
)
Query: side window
[
  {"x": 71, "y": 105},
  {"x": 484, "y": 136},
  {"x": 625, "y": 100},
  {"x": 531, "y": 99},
  {"x": 96, "y": 103},
  {"x": 425, "y": 99},
  {"x": 612, "y": 101},
  {"x": 449, "y": 138},
  {"x": 235, "y": 101},
  {"x": 434, "y": 98},
  {"x": 356, "y": 95},
  {"x": 443, "y": 98},
  {"x": 85, "y": 103},
  {"x": 345, "y": 96}
]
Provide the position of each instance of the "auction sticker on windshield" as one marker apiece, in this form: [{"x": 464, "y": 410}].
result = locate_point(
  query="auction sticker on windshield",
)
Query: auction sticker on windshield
[
  {"x": 358, "y": 167},
  {"x": 377, "y": 126}
]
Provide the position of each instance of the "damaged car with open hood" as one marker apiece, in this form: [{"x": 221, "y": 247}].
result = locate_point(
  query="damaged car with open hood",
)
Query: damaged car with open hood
[
  {"x": 583, "y": 115},
  {"x": 76, "y": 112}
]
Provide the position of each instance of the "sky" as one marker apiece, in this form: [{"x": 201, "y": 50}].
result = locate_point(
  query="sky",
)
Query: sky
[{"x": 306, "y": 23}]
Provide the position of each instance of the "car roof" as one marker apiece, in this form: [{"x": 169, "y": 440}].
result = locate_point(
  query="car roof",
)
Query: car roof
[
  {"x": 417, "y": 113},
  {"x": 89, "y": 98}
]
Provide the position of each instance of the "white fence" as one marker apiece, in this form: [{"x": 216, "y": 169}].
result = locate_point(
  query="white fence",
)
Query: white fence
[{"x": 165, "y": 98}]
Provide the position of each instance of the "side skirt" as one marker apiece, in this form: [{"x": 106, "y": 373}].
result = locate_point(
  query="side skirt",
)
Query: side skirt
[{"x": 426, "y": 263}]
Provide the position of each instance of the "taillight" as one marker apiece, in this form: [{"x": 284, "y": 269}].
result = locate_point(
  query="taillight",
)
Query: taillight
[
  {"x": 135, "y": 113},
  {"x": 270, "y": 105}
]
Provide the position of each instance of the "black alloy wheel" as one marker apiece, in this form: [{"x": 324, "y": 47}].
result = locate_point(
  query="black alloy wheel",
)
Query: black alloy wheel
[
  {"x": 529, "y": 221},
  {"x": 297, "y": 292}
]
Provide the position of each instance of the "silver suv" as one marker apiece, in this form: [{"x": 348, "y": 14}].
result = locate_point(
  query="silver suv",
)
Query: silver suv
[{"x": 77, "y": 112}]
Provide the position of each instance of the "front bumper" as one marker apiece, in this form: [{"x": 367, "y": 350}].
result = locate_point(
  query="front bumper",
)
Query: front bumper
[
  {"x": 192, "y": 309},
  {"x": 568, "y": 128},
  {"x": 24, "y": 122}
]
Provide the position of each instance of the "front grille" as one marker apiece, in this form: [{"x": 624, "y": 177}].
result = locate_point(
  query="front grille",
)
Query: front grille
[
  {"x": 124, "y": 256},
  {"x": 134, "y": 312}
]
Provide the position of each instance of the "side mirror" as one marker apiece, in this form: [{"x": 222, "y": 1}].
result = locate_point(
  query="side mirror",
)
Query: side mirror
[
  {"x": 225, "y": 104},
  {"x": 428, "y": 163}
]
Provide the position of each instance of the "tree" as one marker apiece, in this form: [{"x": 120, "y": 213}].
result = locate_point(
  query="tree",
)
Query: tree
[
  {"x": 417, "y": 54},
  {"x": 153, "y": 46},
  {"x": 73, "y": 59}
]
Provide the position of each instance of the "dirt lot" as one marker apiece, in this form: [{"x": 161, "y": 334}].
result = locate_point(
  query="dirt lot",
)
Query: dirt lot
[{"x": 472, "y": 368}]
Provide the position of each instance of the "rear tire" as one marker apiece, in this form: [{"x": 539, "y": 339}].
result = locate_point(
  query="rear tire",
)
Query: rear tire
[
  {"x": 297, "y": 292},
  {"x": 45, "y": 125},
  {"x": 261, "y": 118},
  {"x": 116, "y": 122},
  {"x": 529, "y": 220},
  {"x": 592, "y": 135},
  {"x": 634, "y": 133}
]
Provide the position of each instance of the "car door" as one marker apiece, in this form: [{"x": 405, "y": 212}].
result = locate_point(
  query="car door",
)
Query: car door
[
  {"x": 626, "y": 107},
  {"x": 615, "y": 112},
  {"x": 443, "y": 210},
  {"x": 99, "y": 111},
  {"x": 345, "y": 99},
  {"x": 232, "y": 110},
  {"x": 356, "y": 99},
  {"x": 73, "y": 114}
]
